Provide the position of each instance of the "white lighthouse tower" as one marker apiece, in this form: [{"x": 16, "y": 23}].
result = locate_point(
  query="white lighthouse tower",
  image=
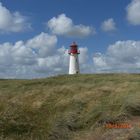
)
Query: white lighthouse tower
[{"x": 74, "y": 62}]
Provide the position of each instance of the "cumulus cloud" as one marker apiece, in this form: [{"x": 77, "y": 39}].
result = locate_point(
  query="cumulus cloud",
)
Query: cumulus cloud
[
  {"x": 83, "y": 57},
  {"x": 12, "y": 22},
  {"x": 123, "y": 56},
  {"x": 36, "y": 57},
  {"x": 63, "y": 25},
  {"x": 58, "y": 63},
  {"x": 108, "y": 25},
  {"x": 133, "y": 12},
  {"x": 54, "y": 64},
  {"x": 21, "y": 58},
  {"x": 43, "y": 44},
  {"x": 24, "y": 59}
]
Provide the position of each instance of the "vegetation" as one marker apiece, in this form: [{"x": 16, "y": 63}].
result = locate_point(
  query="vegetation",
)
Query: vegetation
[{"x": 76, "y": 107}]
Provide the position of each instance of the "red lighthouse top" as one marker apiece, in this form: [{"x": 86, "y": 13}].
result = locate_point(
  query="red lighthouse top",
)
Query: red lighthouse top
[{"x": 74, "y": 49}]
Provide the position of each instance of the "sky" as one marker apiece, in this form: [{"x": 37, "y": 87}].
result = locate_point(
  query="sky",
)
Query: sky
[{"x": 35, "y": 36}]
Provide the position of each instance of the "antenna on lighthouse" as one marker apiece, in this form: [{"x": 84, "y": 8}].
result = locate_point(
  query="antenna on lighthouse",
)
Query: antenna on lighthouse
[{"x": 74, "y": 62}]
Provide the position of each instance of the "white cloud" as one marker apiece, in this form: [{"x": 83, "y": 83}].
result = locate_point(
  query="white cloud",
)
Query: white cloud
[
  {"x": 133, "y": 12},
  {"x": 83, "y": 57},
  {"x": 21, "y": 58},
  {"x": 12, "y": 22},
  {"x": 5, "y": 54},
  {"x": 59, "y": 62},
  {"x": 123, "y": 56},
  {"x": 108, "y": 25},
  {"x": 54, "y": 64},
  {"x": 63, "y": 25},
  {"x": 44, "y": 44},
  {"x": 25, "y": 59},
  {"x": 99, "y": 60},
  {"x": 23, "y": 55}
]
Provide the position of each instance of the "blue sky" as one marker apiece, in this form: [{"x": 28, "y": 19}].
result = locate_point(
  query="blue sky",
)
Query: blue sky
[
  {"x": 87, "y": 12},
  {"x": 103, "y": 30}
]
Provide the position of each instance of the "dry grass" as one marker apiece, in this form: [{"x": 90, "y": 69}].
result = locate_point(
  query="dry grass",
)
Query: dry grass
[{"x": 69, "y": 107}]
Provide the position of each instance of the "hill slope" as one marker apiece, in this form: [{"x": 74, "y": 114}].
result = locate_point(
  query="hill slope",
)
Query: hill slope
[{"x": 77, "y": 107}]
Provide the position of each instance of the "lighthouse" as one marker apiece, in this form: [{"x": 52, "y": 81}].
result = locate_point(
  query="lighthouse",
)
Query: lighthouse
[{"x": 74, "y": 62}]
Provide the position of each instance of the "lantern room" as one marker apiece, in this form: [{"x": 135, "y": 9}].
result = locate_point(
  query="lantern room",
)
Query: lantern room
[{"x": 74, "y": 49}]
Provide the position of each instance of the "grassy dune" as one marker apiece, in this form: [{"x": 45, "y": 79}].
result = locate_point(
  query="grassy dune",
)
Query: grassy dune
[{"x": 67, "y": 107}]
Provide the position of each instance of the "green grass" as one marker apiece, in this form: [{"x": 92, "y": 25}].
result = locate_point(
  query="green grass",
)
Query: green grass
[{"x": 68, "y": 107}]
